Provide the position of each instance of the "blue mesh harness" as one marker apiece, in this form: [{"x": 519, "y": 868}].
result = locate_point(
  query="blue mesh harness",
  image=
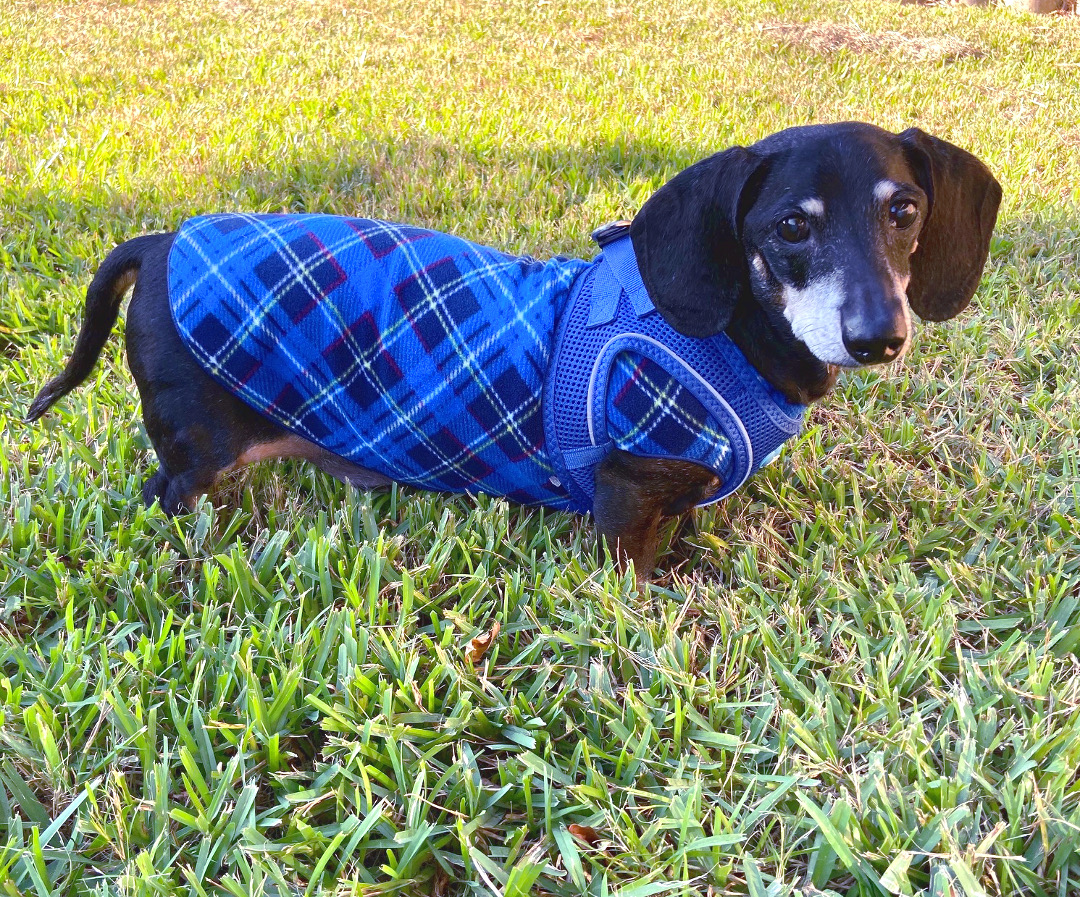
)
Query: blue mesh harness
[{"x": 611, "y": 317}]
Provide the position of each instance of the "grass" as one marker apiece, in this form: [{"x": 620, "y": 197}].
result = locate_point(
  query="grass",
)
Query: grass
[{"x": 861, "y": 675}]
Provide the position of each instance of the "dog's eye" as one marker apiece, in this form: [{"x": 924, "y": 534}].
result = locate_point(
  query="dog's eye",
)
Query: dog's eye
[
  {"x": 903, "y": 213},
  {"x": 793, "y": 229}
]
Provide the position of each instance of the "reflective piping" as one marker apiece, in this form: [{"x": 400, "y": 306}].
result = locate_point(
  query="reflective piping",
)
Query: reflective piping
[
  {"x": 708, "y": 386},
  {"x": 592, "y": 382}
]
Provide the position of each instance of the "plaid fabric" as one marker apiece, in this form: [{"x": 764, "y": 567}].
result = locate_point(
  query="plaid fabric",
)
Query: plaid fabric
[
  {"x": 410, "y": 352},
  {"x": 651, "y": 413}
]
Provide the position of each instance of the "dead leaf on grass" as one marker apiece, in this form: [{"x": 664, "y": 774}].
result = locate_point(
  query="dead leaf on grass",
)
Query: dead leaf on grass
[
  {"x": 479, "y": 646},
  {"x": 585, "y": 833}
]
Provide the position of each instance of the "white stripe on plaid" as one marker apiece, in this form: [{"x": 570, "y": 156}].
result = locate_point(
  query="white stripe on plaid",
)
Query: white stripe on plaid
[
  {"x": 645, "y": 434},
  {"x": 469, "y": 359}
]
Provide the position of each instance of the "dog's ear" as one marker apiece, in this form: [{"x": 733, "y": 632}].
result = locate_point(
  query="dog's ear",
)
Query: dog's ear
[
  {"x": 687, "y": 240},
  {"x": 955, "y": 238}
]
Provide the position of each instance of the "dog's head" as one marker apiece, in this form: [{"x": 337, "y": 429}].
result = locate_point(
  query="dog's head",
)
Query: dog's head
[{"x": 836, "y": 231}]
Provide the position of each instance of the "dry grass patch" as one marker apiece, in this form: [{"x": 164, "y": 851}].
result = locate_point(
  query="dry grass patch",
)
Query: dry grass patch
[{"x": 830, "y": 37}]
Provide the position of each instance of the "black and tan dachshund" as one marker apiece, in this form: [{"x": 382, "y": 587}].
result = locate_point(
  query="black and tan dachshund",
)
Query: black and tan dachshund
[{"x": 809, "y": 249}]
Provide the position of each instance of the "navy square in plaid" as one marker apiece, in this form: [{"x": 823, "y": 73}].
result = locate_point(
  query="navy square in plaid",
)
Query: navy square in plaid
[
  {"x": 300, "y": 275},
  {"x": 358, "y": 360},
  {"x": 289, "y": 404},
  {"x": 219, "y": 343},
  {"x": 437, "y": 301},
  {"x": 510, "y": 414},
  {"x": 455, "y": 466}
]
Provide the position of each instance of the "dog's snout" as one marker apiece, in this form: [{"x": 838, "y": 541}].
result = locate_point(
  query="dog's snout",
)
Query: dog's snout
[
  {"x": 875, "y": 349},
  {"x": 875, "y": 326}
]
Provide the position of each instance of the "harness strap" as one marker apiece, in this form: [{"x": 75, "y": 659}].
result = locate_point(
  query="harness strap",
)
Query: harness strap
[
  {"x": 576, "y": 459},
  {"x": 619, "y": 258},
  {"x": 617, "y": 267},
  {"x": 752, "y": 418}
]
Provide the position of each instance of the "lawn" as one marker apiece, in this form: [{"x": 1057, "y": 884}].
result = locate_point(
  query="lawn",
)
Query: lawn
[{"x": 860, "y": 675}]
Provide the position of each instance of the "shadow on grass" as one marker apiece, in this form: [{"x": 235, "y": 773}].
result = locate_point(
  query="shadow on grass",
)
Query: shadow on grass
[{"x": 367, "y": 176}]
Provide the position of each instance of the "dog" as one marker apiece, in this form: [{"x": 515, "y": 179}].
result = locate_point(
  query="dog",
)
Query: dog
[{"x": 653, "y": 379}]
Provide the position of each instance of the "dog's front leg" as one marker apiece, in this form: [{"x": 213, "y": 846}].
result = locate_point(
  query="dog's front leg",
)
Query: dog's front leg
[{"x": 633, "y": 496}]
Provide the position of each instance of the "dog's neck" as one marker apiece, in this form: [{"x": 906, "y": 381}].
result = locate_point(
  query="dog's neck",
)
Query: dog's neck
[{"x": 781, "y": 359}]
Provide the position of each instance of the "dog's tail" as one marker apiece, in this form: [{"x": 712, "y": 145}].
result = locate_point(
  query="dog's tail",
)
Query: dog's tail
[{"x": 114, "y": 278}]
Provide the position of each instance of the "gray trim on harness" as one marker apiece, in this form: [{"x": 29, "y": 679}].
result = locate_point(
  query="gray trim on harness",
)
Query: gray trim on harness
[
  {"x": 617, "y": 259},
  {"x": 716, "y": 404}
]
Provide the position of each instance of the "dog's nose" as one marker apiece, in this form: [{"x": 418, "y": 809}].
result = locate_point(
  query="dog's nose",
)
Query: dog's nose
[{"x": 875, "y": 349}]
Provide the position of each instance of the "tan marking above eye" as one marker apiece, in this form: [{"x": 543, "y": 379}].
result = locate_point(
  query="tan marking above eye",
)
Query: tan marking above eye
[{"x": 884, "y": 190}]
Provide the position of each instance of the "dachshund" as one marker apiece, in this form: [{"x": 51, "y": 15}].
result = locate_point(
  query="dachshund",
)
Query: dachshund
[{"x": 634, "y": 387}]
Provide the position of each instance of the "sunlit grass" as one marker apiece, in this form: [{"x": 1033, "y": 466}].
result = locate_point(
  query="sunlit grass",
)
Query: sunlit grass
[{"x": 859, "y": 676}]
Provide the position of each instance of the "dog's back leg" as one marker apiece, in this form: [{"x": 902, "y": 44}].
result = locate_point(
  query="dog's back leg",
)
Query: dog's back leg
[
  {"x": 199, "y": 430},
  {"x": 200, "y": 464}
]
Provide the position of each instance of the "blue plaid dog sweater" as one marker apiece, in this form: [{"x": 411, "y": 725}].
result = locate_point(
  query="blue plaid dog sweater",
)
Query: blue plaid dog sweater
[{"x": 456, "y": 367}]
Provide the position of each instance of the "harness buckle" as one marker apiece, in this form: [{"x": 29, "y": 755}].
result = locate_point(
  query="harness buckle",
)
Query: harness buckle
[{"x": 610, "y": 232}]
